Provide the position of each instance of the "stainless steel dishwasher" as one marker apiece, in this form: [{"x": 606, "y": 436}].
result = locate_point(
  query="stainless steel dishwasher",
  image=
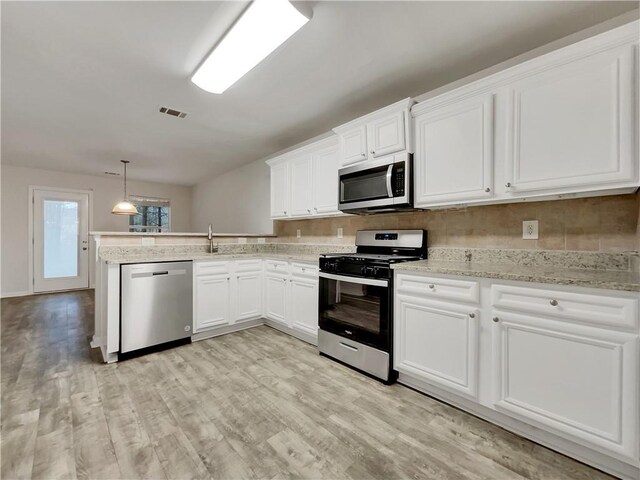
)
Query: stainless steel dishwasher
[{"x": 156, "y": 304}]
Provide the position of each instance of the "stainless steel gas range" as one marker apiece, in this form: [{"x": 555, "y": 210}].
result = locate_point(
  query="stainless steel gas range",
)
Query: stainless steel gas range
[{"x": 356, "y": 299}]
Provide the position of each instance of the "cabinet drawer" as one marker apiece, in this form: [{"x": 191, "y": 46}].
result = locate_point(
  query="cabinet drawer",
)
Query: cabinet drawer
[
  {"x": 438, "y": 288},
  {"x": 276, "y": 266},
  {"x": 212, "y": 268},
  {"x": 249, "y": 265},
  {"x": 583, "y": 307},
  {"x": 304, "y": 270}
]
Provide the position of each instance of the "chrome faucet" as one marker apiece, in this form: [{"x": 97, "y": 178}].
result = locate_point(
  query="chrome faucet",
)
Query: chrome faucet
[{"x": 210, "y": 237}]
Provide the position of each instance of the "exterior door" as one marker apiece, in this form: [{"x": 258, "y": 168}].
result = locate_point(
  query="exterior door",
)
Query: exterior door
[{"x": 60, "y": 240}]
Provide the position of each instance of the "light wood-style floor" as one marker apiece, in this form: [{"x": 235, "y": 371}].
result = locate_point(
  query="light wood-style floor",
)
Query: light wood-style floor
[{"x": 253, "y": 404}]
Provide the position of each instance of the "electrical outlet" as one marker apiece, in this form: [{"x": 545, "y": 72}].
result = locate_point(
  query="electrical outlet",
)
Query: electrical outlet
[
  {"x": 242, "y": 240},
  {"x": 262, "y": 240},
  {"x": 148, "y": 241},
  {"x": 530, "y": 229},
  {"x": 298, "y": 234},
  {"x": 340, "y": 232}
]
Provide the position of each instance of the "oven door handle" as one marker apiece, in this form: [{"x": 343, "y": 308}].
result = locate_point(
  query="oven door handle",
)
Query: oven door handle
[
  {"x": 389, "y": 176},
  {"x": 361, "y": 281}
]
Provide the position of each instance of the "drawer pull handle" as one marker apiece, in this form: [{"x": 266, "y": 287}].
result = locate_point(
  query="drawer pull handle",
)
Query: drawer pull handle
[
  {"x": 472, "y": 315},
  {"x": 554, "y": 303},
  {"x": 496, "y": 319},
  {"x": 432, "y": 286},
  {"x": 348, "y": 347}
]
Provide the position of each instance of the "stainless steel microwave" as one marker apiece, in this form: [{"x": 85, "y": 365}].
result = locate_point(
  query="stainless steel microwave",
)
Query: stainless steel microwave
[{"x": 377, "y": 186}]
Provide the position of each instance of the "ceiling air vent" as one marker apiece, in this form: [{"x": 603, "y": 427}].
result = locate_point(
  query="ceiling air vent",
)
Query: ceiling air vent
[{"x": 172, "y": 112}]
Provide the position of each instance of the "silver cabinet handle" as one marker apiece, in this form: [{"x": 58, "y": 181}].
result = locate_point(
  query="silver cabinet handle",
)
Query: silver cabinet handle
[
  {"x": 472, "y": 315},
  {"x": 84, "y": 248},
  {"x": 308, "y": 210},
  {"x": 508, "y": 184},
  {"x": 487, "y": 189},
  {"x": 496, "y": 319},
  {"x": 363, "y": 154},
  {"x": 432, "y": 286},
  {"x": 285, "y": 212},
  {"x": 373, "y": 152},
  {"x": 554, "y": 303},
  {"x": 315, "y": 208}
]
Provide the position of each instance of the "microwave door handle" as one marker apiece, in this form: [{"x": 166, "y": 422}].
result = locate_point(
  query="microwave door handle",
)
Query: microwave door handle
[{"x": 389, "y": 175}]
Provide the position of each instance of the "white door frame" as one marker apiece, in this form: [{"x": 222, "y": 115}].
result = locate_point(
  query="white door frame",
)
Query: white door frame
[{"x": 30, "y": 237}]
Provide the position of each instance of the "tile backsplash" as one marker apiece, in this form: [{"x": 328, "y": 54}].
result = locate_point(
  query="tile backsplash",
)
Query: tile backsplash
[{"x": 605, "y": 224}]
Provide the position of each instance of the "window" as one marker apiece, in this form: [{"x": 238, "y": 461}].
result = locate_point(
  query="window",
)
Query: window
[{"x": 154, "y": 215}]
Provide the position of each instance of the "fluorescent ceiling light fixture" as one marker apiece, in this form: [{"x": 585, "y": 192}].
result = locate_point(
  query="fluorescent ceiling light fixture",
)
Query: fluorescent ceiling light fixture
[{"x": 262, "y": 28}]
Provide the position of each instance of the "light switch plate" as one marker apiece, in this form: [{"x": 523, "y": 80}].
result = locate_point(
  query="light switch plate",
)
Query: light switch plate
[
  {"x": 530, "y": 229},
  {"x": 340, "y": 232},
  {"x": 148, "y": 241},
  {"x": 298, "y": 234}
]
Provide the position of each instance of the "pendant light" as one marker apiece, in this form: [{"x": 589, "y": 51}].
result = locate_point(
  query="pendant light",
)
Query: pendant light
[{"x": 125, "y": 207}]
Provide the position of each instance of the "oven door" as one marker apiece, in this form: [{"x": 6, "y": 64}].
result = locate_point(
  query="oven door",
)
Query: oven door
[
  {"x": 379, "y": 183},
  {"x": 356, "y": 308}
]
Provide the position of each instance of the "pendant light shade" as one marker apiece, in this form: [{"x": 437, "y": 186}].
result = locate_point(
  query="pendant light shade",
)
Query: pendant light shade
[{"x": 125, "y": 207}]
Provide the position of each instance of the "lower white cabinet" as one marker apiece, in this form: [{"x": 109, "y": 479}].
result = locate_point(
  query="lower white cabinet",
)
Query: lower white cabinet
[
  {"x": 304, "y": 305},
  {"x": 578, "y": 380},
  {"x": 437, "y": 342},
  {"x": 212, "y": 301},
  {"x": 275, "y": 297},
  {"x": 559, "y": 364},
  {"x": 248, "y": 296}
]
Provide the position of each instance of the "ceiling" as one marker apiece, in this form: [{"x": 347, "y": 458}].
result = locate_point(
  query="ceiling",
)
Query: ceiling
[{"x": 82, "y": 82}]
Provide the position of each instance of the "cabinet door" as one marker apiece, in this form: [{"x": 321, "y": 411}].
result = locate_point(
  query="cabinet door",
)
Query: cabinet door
[
  {"x": 248, "y": 296},
  {"x": 275, "y": 297},
  {"x": 438, "y": 343},
  {"x": 325, "y": 181},
  {"x": 304, "y": 306},
  {"x": 301, "y": 186},
  {"x": 454, "y": 153},
  {"x": 280, "y": 190},
  {"x": 576, "y": 380},
  {"x": 573, "y": 126},
  {"x": 353, "y": 145},
  {"x": 386, "y": 135},
  {"x": 212, "y": 301}
]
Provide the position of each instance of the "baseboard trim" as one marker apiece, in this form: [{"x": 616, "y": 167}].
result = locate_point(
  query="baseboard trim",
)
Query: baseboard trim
[
  {"x": 305, "y": 337},
  {"x": 15, "y": 294},
  {"x": 217, "y": 331},
  {"x": 578, "y": 452}
]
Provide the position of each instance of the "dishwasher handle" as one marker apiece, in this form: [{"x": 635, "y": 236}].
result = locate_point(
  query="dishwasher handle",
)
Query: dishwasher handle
[{"x": 181, "y": 271}]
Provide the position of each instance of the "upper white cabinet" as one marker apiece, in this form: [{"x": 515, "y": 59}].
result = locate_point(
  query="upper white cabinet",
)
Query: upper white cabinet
[
  {"x": 562, "y": 124},
  {"x": 280, "y": 190},
  {"x": 353, "y": 145},
  {"x": 454, "y": 151},
  {"x": 380, "y": 133},
  {"x": 304, "y": 182},
  {"x": 301, "y": 186},
  {"x": 572, "y": 125}
]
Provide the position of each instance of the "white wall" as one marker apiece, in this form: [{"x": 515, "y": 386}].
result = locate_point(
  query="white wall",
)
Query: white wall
[
  {"x": 106, "y": 192},
  {"x": 235, "y": 202}
]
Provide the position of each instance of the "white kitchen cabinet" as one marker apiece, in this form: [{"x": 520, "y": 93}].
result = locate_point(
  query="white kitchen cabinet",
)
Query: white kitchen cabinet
[
  {"x": 301, "y": 185},
  {"x": 383, "y": 132},
  {"x": 575, "y": 380},
  {"x": 304, "y": 182},
  {"x": 572, "y": 126},
  {"x": 212, "y": 301},
  {"x": 437, "y": 342},
  {"x": 275, "y": 298},
  {"x": 325, "y": 181},
  {"x": 454, "y": 151},
  {"x": 353, "y": 145},
  {"x": 280, "y": 190},
  {"x": 248, "y": 295},
  {"x": 386, "y": 135},
  {"x": 304, "y": 305}
]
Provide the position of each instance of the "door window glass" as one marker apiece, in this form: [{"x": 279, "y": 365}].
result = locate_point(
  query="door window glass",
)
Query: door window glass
[{"x": 60, "y": 238}]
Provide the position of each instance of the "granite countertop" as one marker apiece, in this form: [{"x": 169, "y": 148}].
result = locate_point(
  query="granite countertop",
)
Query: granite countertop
[
  {"x": 183, "y": 257},
  {"x": 605, "y": 279}
]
